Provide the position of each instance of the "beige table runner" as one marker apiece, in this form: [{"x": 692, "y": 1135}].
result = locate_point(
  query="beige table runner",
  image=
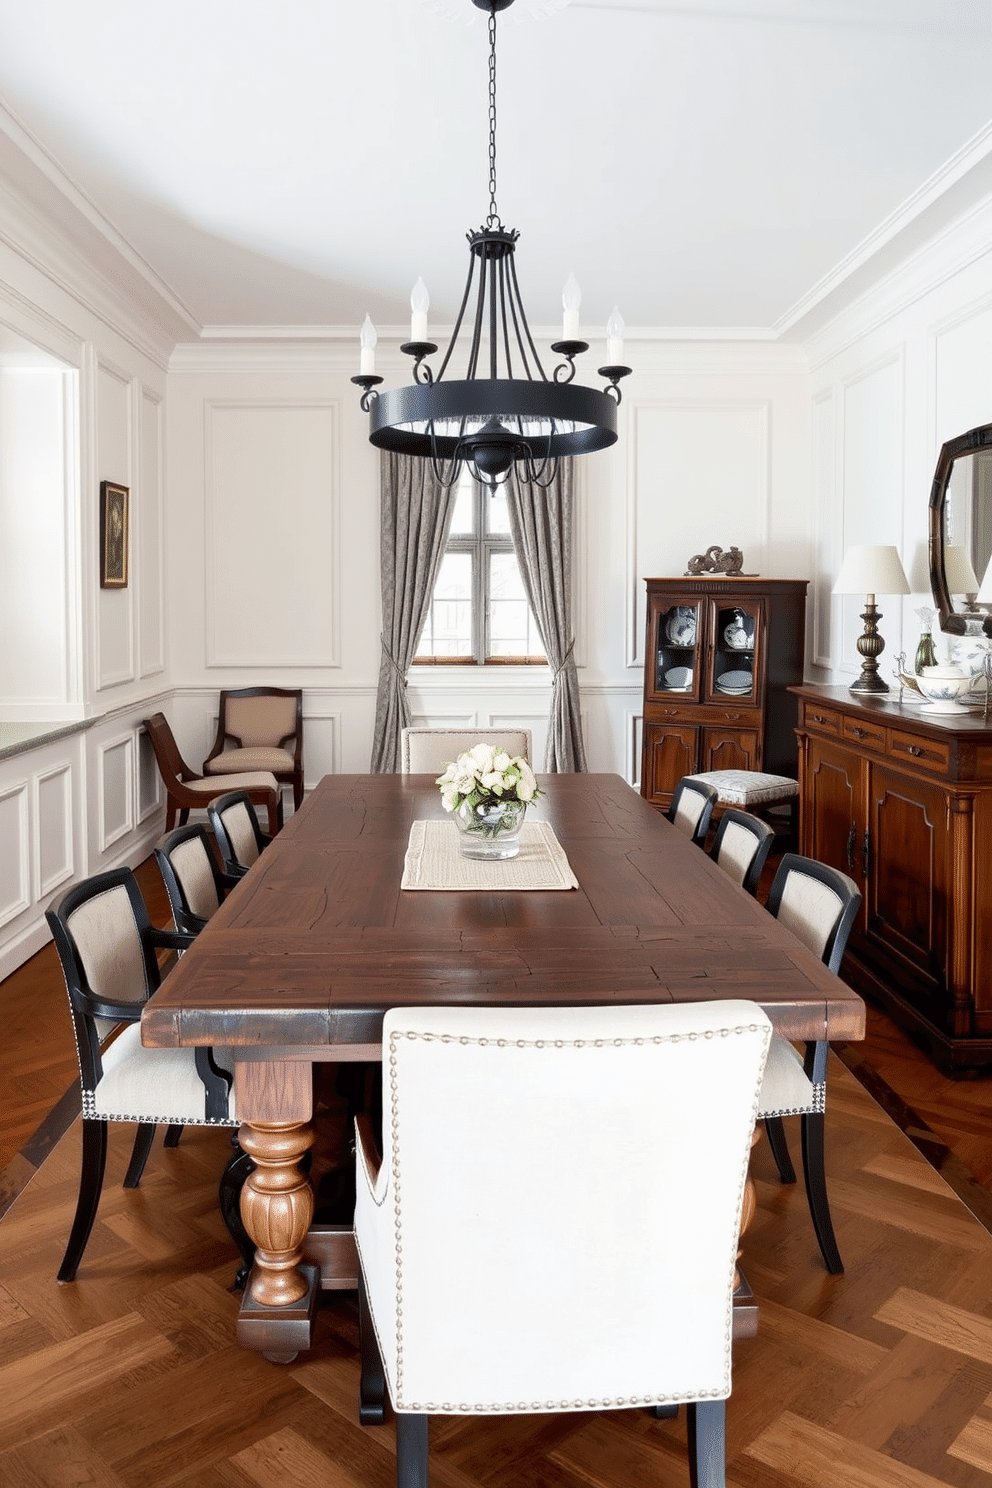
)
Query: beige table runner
[{"x": 434, "y": 861}]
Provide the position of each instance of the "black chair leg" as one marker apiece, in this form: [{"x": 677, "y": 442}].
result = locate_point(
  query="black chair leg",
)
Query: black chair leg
[
  {"x": 411, "y": 1451},
  {"x": 172, "y": 1134},
  {"x": 814, "y": 1172},
  {"x": 232, "y": 1181},
  {"x": 90, "y": 1184},
  {"x": 372, "y": 1382},
  {"x": 143, "y": 1139},
  {"x": 775, "y": 1132},
  {"x": 707, "y": 1443}
]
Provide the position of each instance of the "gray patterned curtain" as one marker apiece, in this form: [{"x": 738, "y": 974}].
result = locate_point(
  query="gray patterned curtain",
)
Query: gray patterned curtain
[
  {"x": 414, "y": 514},
  {"x": 541, "y": 527}
]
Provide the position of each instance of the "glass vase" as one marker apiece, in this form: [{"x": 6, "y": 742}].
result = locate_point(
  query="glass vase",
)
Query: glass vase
[
  {"x": 925, "y": 653},
  {"x": 490, "y": 831}
]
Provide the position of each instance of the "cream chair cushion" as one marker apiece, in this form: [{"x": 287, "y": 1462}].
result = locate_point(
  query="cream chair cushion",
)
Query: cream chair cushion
[
  {"x": 258, "y": 757},
  {"x": 255, "y": 780},
  {"x": 192, "y": 868},
  {"x": 426, "y": 751},
  {"x": 540, "y": 1236},
  {"x": 261, "y": 720}
]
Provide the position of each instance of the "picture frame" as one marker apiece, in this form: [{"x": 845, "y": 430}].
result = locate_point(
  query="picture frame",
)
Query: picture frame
[{"x": 114, "y": 503}]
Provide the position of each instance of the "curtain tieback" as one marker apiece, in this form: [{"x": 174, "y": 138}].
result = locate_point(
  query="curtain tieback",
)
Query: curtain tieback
[
  {"x": 560, "y": 670},
  {"x": 399, "y": 675}
]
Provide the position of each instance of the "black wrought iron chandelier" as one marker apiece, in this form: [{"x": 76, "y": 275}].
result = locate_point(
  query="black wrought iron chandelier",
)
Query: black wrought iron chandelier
[{"x": 506, "y": 412}]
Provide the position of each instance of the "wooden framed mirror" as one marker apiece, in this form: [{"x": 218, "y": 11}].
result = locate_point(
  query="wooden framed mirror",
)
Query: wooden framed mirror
[{"x": 961, "y": 533}]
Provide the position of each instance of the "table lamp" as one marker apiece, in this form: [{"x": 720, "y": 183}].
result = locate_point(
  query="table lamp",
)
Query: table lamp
[
  {"x": 959, "y": 573},
  {"x": 871, "y": 570}
]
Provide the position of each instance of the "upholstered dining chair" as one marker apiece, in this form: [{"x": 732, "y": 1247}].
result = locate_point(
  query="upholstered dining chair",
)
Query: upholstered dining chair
[
  {"x": 741, "y": 846},
  {"x": 186, "y": 791},
  {"x": 239, "y": 837},
  {"x": 691, "y": 808},
  {"x": 260, "y": 728},
  {"x": 107, "y": 946},
  {"x": 819, "y": 905},
  {"x": 473, "y": 1229},
  {"x": 426, "y": 751},
  {"x": 193, "y": 880}
]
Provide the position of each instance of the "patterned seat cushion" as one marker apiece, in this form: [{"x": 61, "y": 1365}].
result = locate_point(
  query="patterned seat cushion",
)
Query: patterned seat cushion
[{"x": 749, "y": 787}]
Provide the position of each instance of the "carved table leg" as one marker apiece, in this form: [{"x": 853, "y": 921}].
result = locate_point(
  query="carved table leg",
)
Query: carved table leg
[
  {"x": 275, "y": 1101},
  {"x": 277, "y": 1207},
  {"x": 749, "y": 1202}
]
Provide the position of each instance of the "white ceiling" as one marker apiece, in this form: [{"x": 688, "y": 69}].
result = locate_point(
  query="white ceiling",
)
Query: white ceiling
[{"x": 719, "y": 165}]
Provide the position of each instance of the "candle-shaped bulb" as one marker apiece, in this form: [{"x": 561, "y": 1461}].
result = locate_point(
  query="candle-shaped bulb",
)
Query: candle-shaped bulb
[
  {"x": 614, "y": 339},
  {"x": 367, "y": 340},
  {"x": 571, "y": 299},
  {"x": 419, "y": 304}
]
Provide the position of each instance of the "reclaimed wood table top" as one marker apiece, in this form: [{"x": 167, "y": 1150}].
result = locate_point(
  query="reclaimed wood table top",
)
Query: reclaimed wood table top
[{"x": 319, "y": 940}]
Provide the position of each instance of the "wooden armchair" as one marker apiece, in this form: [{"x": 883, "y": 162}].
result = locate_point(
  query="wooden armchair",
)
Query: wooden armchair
[
  {"x": 188, "y": 791},
  {"x": 260, "y": 728}
]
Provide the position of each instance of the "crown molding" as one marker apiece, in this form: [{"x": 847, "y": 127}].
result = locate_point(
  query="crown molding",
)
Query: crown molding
[{"x": 48, "y": 221}]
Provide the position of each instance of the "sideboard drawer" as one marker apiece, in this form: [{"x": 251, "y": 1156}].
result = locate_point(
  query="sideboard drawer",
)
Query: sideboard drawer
[
  {"x": 824, "y": 720},
  {"x": 860, "y": 731},
  {"x": 931, "y": 754}
]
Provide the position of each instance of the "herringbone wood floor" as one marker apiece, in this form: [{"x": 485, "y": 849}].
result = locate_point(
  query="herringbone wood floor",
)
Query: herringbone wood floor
[{"x": 881, "y": 1378}]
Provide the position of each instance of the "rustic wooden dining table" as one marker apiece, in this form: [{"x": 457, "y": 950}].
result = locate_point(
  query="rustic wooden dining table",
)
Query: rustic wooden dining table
[{"x": 305, "y": 956}]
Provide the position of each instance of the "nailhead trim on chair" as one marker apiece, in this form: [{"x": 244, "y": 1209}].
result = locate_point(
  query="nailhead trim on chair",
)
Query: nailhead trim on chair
[
  {"x": 90, "y": 1113},
  {"x": 503, "y": 1407},
  {"x": 816, "y": 1106}
]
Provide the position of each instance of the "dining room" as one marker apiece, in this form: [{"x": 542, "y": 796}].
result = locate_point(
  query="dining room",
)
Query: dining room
[{"x": 198, "y": 498}]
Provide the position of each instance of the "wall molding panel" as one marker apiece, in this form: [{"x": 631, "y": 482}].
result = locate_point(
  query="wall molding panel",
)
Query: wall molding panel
[
  {"x": 15, "y": 866},
  {"x": 271, "y": 509},
  {"x": 54, "y": 858},
  {"x": 115, "y": 789}
]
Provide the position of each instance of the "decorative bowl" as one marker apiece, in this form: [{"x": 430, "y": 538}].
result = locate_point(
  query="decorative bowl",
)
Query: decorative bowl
[{"x": 943, "y": 686}]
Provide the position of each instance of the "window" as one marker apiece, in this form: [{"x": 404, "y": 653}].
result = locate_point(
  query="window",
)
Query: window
[{"x": 479, "y": 611}]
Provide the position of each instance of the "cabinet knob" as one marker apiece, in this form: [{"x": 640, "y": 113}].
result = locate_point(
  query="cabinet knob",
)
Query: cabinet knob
[
  {"x": 818, "y": 718},
  {"x": 859, "y": 733},
  {"x": 913, "y": 749}
]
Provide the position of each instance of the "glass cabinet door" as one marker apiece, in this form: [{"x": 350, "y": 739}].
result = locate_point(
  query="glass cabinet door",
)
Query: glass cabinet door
[
  {"x": 736, "y": 633},
  {"x": 678, "y": 647}
]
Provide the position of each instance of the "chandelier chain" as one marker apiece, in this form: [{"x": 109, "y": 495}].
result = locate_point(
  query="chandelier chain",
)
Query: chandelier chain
[{"x": 493, "y": 210}]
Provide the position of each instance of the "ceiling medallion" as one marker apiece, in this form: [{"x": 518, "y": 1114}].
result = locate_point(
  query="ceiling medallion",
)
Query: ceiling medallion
[{"x": 506, "y": 412}]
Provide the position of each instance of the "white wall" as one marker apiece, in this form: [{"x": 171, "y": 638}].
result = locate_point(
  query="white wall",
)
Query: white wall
[
  {"x": 82, "y": 399},
  {"x": 273, "y": 532},
  {"x": 891, "y": 379}
]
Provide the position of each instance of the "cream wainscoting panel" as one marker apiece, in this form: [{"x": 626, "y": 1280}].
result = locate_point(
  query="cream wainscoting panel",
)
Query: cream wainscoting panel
[
  {"x": 115, "y": 789},
  {"x": 151, "y": 796},
  {"x": 827, "y": 538},
  {"x": 147, "y": 536},
  {"x": 15, "y": 859},
  {"x": 272, "y": 560},
  {"x": 115, "y": 607},
  {"x": 701, "y": 475},
  {"x": 871, "y": 505},
  {"x": 54, "y": 858}
]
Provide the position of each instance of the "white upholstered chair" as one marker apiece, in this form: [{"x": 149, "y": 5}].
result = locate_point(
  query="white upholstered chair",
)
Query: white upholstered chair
[
  {"x": 538, "y": 1236},
  {"x": 819, "y": 905},
  {"x": 691, "y": 808},
  {"x": 238, "y": 834},
  {"x": 260, "y": 728},
  {"x": 741, "y": 846},
  {"x": 426, "y": 751},
  {"x": 193, "y": 880},
  {"x": 107, "y": 946}
]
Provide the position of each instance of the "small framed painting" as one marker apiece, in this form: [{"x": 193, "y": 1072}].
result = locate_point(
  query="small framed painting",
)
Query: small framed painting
[{"x": 113, "y": 535}]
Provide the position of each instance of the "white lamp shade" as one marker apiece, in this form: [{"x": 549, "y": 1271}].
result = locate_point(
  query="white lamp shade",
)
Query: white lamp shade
[
  {"x": 871, "y": 569},
  {"x": 985, "y": 592},
  {"x": 961, "y": 576}
]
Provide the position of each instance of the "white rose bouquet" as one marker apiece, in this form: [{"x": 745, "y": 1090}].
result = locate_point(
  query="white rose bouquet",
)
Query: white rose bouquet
[{"x": 483, "y": 779}]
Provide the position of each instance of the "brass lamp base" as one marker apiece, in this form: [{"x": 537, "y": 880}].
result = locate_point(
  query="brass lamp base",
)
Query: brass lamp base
[{"x": 870, "y": 645}]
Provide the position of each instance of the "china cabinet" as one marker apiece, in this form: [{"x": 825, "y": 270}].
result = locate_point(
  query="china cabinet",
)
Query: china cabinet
[
  {"x": 901, "y": 800},
  {"x": 720, "y": 655}
]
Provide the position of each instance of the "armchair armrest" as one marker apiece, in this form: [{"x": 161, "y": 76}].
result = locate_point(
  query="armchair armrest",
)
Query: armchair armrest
[
  {"x": 369, "y": 1158},
  {"x": 216, "y": 1083},
  {"x": 170, "y": 940}
]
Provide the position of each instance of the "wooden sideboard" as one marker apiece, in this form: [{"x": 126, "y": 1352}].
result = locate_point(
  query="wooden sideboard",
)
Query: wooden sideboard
[
  {"x": 720, "y": 656},
  {"x": 901, "y": 800}
]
